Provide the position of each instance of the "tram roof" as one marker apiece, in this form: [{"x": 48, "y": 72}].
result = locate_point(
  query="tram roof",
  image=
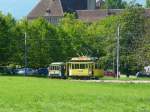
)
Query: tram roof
[
  {"x": 83, "y": 58},
  {"x": 57, "y": 63},
  {"x": 81, "y": 62}
]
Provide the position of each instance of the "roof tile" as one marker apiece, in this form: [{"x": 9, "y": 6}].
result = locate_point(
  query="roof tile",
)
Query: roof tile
[{"x": 54, "y": 7}]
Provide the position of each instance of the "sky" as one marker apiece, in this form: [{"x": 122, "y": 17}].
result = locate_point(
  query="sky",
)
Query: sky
[{"x": 20, "y": 8}]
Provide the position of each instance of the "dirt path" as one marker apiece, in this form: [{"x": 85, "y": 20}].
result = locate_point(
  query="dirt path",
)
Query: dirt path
[{"x": 116, "y": 81}]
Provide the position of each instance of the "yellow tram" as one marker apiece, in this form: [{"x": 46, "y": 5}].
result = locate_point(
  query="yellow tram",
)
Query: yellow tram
[{"x": 84, "y": 67}]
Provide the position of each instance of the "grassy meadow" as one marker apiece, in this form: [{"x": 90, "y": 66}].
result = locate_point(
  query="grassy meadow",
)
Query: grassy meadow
[{"x": 27, "y": 94}]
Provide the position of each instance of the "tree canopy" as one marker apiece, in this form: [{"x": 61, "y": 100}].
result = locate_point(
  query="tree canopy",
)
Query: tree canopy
[
  {"x": 115, "y": 4},
  {"x": 147, "y": 3},
  {"x": 48, "y": 43}
]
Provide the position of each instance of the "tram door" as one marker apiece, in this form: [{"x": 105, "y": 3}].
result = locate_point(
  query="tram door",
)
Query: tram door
[
  {"x": 67, "y": 69},
  {"x": 70, "y": 69},
  {"x": 90, "y": 65}
]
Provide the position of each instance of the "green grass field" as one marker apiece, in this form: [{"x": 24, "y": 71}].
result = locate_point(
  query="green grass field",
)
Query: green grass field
[{"x": 24, "y": 94}]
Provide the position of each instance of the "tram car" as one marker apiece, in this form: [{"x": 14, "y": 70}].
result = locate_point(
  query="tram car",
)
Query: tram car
[
  {"x": 84, "y": 67},
  {"x": 56, "y": 70}
]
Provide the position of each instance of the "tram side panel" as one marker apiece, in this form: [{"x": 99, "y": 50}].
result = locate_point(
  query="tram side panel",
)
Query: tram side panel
[
  {"x": 79, "y": 69},
  {"x": 97, "y": 71}
]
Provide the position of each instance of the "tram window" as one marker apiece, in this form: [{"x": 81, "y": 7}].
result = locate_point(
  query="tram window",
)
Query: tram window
[
  {"x": 60, "y": 67},
  {"x": 57, "y": 67},
  {"x": 82, "y": 66},
  {"x": 70, "y": 66},
  {"x": 76, "y": 66},
  {"x": 90, "y": 66},
  {"x": 86, "y": 66},
  {"x": 73, "y": 66},
  {"x": 97, "y": 66}
]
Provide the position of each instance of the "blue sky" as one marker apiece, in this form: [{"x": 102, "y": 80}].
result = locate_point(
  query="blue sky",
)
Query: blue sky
[{"x": 20, "y": 8}]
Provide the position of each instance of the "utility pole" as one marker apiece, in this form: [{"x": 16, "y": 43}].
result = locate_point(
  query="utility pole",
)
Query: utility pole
[
  {"x": 118, "y": 51},
  {"x": 25, "y": 53},
  {"x": 114, "y": 60}
]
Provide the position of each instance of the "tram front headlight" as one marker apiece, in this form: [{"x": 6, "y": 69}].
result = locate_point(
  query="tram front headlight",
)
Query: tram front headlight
[{"x": 90, "y": 72}]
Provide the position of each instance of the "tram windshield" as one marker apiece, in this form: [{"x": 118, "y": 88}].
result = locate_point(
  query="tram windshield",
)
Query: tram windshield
[
  {"x": 97, "y": 66},
  {"x": 54, "y": 67}
]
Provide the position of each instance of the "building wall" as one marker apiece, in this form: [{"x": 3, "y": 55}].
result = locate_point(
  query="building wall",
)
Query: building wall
[
  {"x": 91, "y": 4},
  {"x": 54, "y": 20}
]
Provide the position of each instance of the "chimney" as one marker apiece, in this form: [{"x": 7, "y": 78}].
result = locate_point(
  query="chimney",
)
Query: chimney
[{"x": 91, "y": 4}]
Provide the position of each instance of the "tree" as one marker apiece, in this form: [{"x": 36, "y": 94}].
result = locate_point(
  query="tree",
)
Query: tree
[
  {"x": 72, "y": 33},
  {"x": 7, "y": 23},
  {"x": 18, "y": 46},
  {"x": 143, "y": 56},
  {"x": 115, "y": 4},
  {"x": 134, "y": 4},
  {"x": 48, "y": 43},
  {"x": 132, "y": 30},
  {"x": 147, "y": 3},
  {"x": 42, "y": 43},
  {"x": 101, "y": 40}
]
